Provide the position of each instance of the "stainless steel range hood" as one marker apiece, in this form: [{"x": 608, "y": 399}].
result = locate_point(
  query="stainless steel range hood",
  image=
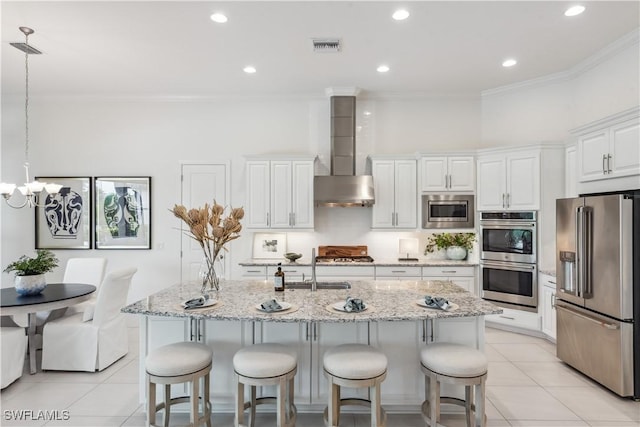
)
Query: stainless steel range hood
[{"x": 343, "y": 187}]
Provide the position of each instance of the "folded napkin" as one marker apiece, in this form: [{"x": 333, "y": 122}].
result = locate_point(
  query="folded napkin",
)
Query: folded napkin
[
  {"x": 353, "y": 305},
  {"x": 271, "y": 305},
  {"x": 194, "y": 303},
  {"x": 436, "y": 302}
]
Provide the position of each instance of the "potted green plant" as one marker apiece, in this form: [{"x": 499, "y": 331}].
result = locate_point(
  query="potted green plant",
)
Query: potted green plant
[
  {"x": 29, "y": 272},
  {"x": 456, "y": 245}
]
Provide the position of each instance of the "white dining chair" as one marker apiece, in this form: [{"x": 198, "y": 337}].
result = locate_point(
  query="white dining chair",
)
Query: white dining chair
[
  {"x": 72, "y": 343},
  {"x": 13, "y": 347},
  {"x": 89, "y": 271}
]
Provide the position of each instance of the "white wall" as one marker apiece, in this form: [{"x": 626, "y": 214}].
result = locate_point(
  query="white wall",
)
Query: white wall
[{"x": 132, "y": 137}]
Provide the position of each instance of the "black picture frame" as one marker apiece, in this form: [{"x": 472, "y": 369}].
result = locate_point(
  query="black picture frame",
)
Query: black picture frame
[
  {"x": 122, "y": 212},
  {"x": 63, "y": 221}
]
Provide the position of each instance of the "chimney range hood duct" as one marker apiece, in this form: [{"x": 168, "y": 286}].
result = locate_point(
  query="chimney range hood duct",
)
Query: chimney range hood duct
[{"x": 343, "y": 187}]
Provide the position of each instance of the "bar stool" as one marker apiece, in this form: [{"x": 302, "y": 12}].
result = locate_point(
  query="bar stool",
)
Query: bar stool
[
  {"x": 178, "y": 363},
  {"x": 454, "y": 364},
  {"x": 266, "y": 365},
  {"x": 356, "y": 366}
]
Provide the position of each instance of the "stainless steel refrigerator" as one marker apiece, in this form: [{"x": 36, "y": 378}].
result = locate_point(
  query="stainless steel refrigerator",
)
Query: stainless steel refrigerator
[{"x": 598, "y": 290}]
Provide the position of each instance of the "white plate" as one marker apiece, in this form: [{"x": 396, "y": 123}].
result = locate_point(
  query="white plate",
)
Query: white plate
[
  {"x": 452, "y": 306},
  {"x": 339, "y": 306},
  {"x": 207, "y": 303},
  {"x": 284, "y": 305}
]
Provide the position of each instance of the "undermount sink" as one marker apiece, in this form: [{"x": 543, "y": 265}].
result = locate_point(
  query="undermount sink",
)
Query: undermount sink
[{"x": 321, "y": 285}]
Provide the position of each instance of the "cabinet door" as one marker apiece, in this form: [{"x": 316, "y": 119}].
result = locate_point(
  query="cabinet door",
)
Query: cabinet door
[
  {"x": 523, "y": 181},
  {"x": 592, "y": 151},
  {"x": 433, "y": 172},
  {"x": 383, "y": 211},
  {"x": 258, "y": 202},
  {"x": 571, "y": 172},
  {"x": 346, "y": 272},
  {"x": 257, "y": 272},
  {"x": 548, "y": 312},
  {"x": 625, "y": 149},
  {"x": 398, "y": 273},
  {"x": 467, "y": 283},
  {"x": 302, "y": 194},
  {"x": 491, "y": 183},
  {"x": 323, "y": 337},
  {"x": 280, "y": 194},
  {"x": 462, "y": 173},
  {"x": 401, "y": 342},
  {"x": 406, "y": 198}
]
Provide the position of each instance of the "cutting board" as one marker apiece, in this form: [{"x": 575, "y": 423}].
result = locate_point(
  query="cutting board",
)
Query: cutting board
[{"x": 342, "y": 251}]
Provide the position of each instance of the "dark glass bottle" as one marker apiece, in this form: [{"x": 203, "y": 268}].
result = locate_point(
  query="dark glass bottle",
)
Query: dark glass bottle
[{"x": 278, "y": 279}]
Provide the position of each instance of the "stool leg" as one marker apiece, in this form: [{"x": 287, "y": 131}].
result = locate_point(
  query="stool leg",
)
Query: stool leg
[
  {"x": 375, "y": 406},
  {"x": 468, "y": 399},
  {"x": 480, "y": 390},
  {"x": 151, "y": 402},
  {"x": 167, "y": 404},
  {"x": 331, "y": 409},
  {"x": 195, "y": 397},
  {"x": 290, "y": 404},
  {"x": 252, "y": 409},
  {"x": 239, "y": 421},
  {"x": 206, "y": 403},
  {"x": 280, "y": 399},
  {"x": 434, "y": 400}
]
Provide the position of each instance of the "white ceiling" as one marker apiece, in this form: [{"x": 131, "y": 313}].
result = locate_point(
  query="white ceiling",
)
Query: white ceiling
[{"x": 173, "y": 48}]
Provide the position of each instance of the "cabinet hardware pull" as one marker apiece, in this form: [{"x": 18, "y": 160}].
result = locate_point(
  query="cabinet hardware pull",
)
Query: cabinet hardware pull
[
  {"x": 604, "y": 159},
  {"x": 552, "y": 282},
  {"x": 254, "y": 271},
  {"x": 553, "y": 300},
  {"x": 450, "y": 271},
  {"x": 398, "y": 271},
  {"x": 294, "y": 218},
  {"x": 609, "y": 163},
  {"x": 424, "y": 331},
  {"x": 508, "y": 199},
  {"x": 315, "y": 332},
  {"x": 508, "y": 318},
  {"x": 503, "y": 200},
  {"x": 307, "y": 334},
  {"x": 268, "y": 222}
]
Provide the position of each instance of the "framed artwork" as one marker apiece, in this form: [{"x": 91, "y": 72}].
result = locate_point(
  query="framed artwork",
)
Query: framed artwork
[
  {"x": 63, "y": 221},
  {"x": 122, "y": 212},
  {"x": 269, "y": 245}
]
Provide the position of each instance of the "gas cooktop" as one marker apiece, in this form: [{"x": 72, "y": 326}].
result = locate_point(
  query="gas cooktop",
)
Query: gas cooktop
[
  {"x": 354, "y": 259},
  {"x": 355, "y": 254}
]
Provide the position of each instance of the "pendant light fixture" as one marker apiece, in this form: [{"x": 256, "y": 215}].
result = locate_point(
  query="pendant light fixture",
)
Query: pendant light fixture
[{"x": 33, "y": 191}]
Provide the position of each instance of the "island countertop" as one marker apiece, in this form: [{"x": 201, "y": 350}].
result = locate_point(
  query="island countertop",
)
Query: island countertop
[
  {"x": 383, "y": 262},
  {"x": 386, "y": 300}
]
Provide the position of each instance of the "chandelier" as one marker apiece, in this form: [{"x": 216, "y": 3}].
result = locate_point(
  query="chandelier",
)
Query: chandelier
[{"x": 33, "y": 191}]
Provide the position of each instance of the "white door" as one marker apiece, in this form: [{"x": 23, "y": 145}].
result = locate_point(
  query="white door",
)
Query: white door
[
  {"x": 592, "y": 152},
  {"x": 462, "y": 174},
  {"x": 625, "y": 149},
  {"x": 523, "y": 181},
  {"x": 433, "y": 174},
  {"x": 383, "y": 181},
  {"x": 281, "y": 194},
  {"x": 302, "y": 194},
  {"x": 491, "y": 183},
  {"x": 258, "y": 202},
  {"x": 202, "y": 184},
  {"x": 406, "y": 200}
]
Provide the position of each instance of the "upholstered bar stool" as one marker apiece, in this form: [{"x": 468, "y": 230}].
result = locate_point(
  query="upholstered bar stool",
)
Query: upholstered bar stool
[
  {"x": 179, "y": 363},
  {"x": 454, "y": 364},
  {"x": 266, "y": 365},
  {"x": 355, "y": 366}
]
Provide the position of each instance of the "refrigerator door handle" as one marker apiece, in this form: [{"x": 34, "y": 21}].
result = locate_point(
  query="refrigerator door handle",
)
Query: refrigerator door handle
[
  {"x": 607, "y": 325},
  {"x": 587, "y": 291},
  {"x": 579, "y": 252}
]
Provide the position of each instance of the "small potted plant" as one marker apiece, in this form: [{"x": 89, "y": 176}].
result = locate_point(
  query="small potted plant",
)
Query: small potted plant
[
  {"x": 456, "y": 245},
  {"x": 30, "y": 279}
]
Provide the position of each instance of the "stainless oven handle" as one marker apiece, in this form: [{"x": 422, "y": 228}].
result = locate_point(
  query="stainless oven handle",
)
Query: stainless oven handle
[
  {"x": 607, "y": 325},
  {"x": 492, "y": 225},
  {"x": 508, "y": 266}
]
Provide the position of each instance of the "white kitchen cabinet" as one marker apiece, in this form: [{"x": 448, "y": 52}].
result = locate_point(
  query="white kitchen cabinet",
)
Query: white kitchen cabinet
[
  {"x": 257, "y": 272},
  {"x": 399, "y": 272},
  {"x": 514, "y": 320},
  {"x": 509, "y": 181},
  {"x": 395, "y": 190},
  {"x": 571, "y": 171},
  {"x": 547, "y": 304},
  {"x": 447, "y": 173},
  {"x": 462, "y": 276},
  {"x": 610, "y": 152},
  {"x": 279, "y": 193},
  {"x": 348, "y": 272}
]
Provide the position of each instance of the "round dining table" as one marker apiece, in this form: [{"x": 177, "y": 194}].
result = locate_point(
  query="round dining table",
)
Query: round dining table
[{"x": 54, "y": 296}]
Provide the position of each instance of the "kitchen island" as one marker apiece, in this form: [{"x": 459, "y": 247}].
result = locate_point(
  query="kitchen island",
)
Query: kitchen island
[{"x": 393, "y": 322}]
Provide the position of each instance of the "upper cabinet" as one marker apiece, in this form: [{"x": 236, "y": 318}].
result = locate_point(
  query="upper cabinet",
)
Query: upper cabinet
[
  {"x": 608, "y": 153},
  {"x": 443, "y": 174},
  {"x": 280, "y": 192},
  {"x": 395, "y": 182},
  {"x": 509, "y": 181}
]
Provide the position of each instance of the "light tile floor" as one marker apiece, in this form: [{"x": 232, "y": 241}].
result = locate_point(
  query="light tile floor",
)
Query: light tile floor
[{"x": 527, "y": 387}]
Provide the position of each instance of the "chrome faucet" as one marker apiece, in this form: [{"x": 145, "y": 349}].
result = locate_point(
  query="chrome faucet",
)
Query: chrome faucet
[{"x": 314, "y": 283}]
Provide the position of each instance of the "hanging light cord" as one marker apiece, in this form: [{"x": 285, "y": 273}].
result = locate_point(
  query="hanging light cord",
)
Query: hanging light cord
[{"x": 26, "y": 107}]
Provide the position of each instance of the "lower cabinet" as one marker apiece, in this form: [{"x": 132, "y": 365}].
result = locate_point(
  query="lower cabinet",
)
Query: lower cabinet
[
  {"x": 254, "y": 272},
  {"x": 516, "y": 319},
  {"x": 547, "y": 305},
  {"x": 464, "y": 277},
  {"x": 398, "y": 273}
]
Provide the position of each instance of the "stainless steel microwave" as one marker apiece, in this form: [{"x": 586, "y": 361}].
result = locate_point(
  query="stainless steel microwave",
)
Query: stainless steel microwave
[{"x": 448, "y": 210}]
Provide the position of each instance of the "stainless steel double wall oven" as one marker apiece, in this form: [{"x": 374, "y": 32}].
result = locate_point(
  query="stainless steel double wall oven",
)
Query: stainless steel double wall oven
[{"x": 508, "y": 257}]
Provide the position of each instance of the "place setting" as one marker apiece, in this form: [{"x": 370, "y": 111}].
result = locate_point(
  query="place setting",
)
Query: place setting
[
  {"x": 201, "y": 302},
  {"x": 437, "y": 303},
  {"x": 273, "y": 306},
  {"x": 350, "y": 305}
]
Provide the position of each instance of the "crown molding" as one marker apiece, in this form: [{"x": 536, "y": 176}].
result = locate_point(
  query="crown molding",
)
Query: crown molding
[
  {"x": 608, "y": 52},
  {"x": 622, "y": 116}
]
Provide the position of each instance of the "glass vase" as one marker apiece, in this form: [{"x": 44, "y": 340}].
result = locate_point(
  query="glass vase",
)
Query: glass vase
[{"x": 209, "y": 274}]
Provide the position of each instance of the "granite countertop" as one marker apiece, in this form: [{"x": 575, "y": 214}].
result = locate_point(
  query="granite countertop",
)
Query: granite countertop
[
  {"x": 377, "y": 263},
  {"x": 387, "y": 300}
]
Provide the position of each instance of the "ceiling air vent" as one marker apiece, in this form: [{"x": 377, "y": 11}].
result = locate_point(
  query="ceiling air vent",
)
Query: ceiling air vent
[
  {"x": 326, "y": 45},
  {"x": 28, "y": 49}
]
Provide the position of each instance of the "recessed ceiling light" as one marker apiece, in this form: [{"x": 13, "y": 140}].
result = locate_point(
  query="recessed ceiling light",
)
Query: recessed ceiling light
[
  {"x": 382, "y": 68},
  {"x": 509, "y": 63},
  {"x": 219, "y": 18},
  {"x": 249, "y": 69},
  {"x": 574, "y": 10},
  {"x": 400, "y": 15}
]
